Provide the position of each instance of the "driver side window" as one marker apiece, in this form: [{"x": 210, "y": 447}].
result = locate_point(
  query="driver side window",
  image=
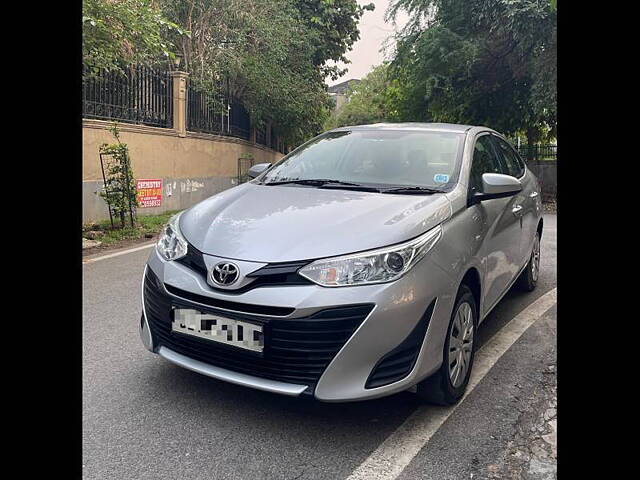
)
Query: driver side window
[
  {"x": 485, "y": 160},
  {"x": 513, "y": 163}
]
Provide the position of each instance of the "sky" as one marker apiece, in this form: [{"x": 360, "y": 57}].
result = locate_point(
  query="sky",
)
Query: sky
[{"x": 374, "y": 31}]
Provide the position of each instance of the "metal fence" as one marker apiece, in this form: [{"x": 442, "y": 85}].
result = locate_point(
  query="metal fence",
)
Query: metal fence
[
  {"x": 216, "y": 114},
  {"x": 538, "y": 153},
  {"x": 261, "y": 136},
  {"x": 145, "y": 96},
  {"x": 141, "y": 96}
]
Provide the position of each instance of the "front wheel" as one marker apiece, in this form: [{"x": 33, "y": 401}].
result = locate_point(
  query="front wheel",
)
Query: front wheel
[
  {"x": 449, "y": 383},
  {"x": 529, "y": 277}
]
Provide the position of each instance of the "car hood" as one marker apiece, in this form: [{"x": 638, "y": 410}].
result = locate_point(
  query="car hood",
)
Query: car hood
[{"x": 287, "y": 223}]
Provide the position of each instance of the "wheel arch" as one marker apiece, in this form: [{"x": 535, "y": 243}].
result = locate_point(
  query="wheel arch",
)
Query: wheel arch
[
  {"x": 472, "y": 280},
  {"x": 539, "y": 228}
]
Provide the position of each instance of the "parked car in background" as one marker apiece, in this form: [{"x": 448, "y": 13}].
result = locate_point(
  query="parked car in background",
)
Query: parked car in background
[{"x": 359, "y": 265}]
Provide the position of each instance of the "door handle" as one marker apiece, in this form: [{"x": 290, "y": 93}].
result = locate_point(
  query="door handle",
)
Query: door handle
[
  {"x": 517, "y": 210},
  {"x": 533, "y": 195}
]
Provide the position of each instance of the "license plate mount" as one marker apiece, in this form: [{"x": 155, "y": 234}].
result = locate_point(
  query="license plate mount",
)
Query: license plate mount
[{"x": 227, "y": 331}]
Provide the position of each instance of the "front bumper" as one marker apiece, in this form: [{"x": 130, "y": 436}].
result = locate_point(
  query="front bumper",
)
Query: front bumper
[
  {"x": 231, "y": 376},
  {"x": 363, "y": 349}
]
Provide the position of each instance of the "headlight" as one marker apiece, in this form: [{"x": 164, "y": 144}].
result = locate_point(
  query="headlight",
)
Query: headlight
[
  {"x": 171, "y": 244},
  {"x": 375, "y": 266}
]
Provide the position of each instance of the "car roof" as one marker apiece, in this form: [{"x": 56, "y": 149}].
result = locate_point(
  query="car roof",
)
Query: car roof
[{"x": 441, "y": 127}]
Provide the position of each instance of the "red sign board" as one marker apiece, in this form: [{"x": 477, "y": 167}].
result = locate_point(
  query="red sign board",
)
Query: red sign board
[{"x": 149, "y": 192}]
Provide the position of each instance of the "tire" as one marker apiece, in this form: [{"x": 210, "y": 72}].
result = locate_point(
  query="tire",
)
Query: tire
[
  {"x": 439, "y": 388},
  {"x": 528, "y": 279}
]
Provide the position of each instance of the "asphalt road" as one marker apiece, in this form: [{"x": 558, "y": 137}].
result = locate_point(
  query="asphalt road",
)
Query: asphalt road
[{"x": 144, "y": 418}]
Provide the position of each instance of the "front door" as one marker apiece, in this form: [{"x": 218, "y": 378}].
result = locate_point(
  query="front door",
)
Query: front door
[
  {"x": 529, "y": 203},
  {"x": 501, "y": 228}
]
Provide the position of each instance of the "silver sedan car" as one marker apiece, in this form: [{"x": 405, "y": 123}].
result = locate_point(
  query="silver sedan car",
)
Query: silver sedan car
[{"x": 359, "y": 265}]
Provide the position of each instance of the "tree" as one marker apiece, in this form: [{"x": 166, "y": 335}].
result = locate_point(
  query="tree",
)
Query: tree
[
  {"x": 116, "y": 33},
  {"x": 333, "y": 28},
  {"x": 372, "y": 100},
  {"x": 488, "y": 62},
  {"x": 271, "y": 54}
]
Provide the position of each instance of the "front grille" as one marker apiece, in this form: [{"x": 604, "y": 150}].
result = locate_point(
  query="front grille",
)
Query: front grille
[
  {"x": 295, "y": 350},
  {"x": 273, "y": 274},
  {"x": 194, "y": 260},
  {"x": 284, "y": 273},
  {"x": 397, "y": 364}
]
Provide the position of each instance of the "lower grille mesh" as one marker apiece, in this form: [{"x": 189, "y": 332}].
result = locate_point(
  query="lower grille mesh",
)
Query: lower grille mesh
[{"x": 296, "y": 350}]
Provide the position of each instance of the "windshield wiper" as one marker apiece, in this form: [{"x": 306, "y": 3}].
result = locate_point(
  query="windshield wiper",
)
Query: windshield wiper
[
  {"x": 411, "y": 190},
  {"x": 326, "y": 183},
  {"x": 308, "y": 181},
  {"x": 339, "y": 184},
  {"x": 349, "y": 186}
]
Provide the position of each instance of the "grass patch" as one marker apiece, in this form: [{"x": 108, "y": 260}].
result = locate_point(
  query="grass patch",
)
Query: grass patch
[{"x": 147, "y": 225}]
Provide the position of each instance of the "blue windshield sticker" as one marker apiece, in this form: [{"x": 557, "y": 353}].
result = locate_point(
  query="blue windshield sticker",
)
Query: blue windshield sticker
[{"x": 440, "y": 178}]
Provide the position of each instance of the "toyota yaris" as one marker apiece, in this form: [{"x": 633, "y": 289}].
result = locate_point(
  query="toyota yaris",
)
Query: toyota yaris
[{"x": 357, "y": 266}]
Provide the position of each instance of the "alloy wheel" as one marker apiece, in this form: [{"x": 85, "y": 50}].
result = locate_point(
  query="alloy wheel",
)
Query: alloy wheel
[
  {"x": 460, "y": 344},
  {"x": 535, "y": 259}
]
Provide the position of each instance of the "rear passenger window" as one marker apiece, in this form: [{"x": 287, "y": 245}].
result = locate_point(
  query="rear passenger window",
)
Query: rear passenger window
[
  {"x": 514, "y": 165},
  {"x": 485, "y": 160}
]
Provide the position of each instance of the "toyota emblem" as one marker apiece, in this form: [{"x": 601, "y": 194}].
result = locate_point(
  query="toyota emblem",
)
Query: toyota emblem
[{"x": 224, "y": 273}]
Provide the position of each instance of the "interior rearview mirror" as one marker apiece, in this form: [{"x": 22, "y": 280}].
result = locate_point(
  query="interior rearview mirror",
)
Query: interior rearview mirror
[
  {"x": 497, "y": 185},
  {"x": 257, "y": 169}
]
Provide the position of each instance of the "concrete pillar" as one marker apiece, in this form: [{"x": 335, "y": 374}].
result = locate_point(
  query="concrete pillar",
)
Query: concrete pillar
[{"x": 180, "y": 102}]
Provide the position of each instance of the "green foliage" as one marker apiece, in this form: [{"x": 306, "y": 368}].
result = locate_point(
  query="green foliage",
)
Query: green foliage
[
  {"x": 120, "y": 187},
  {"x": 332, "y": 27},
  {"x": 486, "y": 62},
  {"x": 116, "y": 33},
  {"x": 271, "y": 54},
  {"x": 372, "y": 100}
]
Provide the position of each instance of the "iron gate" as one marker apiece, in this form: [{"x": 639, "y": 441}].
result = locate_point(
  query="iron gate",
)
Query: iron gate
[{"x": 244, "y": 164}]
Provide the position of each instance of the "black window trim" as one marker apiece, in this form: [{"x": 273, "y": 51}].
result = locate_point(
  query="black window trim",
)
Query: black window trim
[
  {"x": 523, "y": 164},
  {"x": 473, "y": 149}
]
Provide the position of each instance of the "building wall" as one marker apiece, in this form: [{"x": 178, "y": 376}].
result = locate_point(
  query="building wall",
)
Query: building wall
[{"x": 192, "y": 167}]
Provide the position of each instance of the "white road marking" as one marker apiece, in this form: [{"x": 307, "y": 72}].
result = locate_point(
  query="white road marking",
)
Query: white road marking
[
  {"x": 117, "y": 254},
  {"x": 399, "y": 448}
]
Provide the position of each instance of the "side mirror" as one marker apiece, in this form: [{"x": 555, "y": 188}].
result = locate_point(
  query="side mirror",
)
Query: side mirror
[
  {"x": 497, "y": 185},
  {"x": 257, "y": 169}
]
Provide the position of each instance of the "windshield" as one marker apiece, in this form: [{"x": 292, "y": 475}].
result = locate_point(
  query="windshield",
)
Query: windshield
[{"x": 375, "y": 157}]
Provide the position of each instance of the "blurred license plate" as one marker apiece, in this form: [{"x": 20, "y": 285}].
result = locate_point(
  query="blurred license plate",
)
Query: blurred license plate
[{"x": 218, "y": 329}]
